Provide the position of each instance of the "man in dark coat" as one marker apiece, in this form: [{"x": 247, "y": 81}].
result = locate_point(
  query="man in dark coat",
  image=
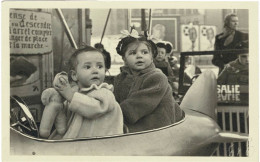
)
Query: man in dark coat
[{"x": 229, "y": 39}]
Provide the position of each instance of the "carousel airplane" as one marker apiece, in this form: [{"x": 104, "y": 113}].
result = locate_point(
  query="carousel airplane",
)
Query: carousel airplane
[{"x": 197, "y": 134}]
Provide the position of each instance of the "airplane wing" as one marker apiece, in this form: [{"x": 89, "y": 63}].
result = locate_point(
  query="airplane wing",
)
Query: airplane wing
[{"x": 231, "y": 137}]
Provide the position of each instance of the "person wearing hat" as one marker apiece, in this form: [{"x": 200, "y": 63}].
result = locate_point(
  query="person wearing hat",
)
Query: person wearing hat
[
  {"x": 229, "y": 39},
  {"x": 235, "y": 72},
  {"x": 163, "y": 48}
]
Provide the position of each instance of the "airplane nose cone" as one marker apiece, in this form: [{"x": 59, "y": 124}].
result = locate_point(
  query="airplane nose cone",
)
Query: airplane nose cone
[{"x": 202, "y": 95}]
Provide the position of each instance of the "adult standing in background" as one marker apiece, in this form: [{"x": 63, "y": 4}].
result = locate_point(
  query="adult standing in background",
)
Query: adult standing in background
[{"x": 230, "y": 38}]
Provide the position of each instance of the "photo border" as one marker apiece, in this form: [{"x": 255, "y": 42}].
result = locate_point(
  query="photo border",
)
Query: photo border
[{"x": 253, "y": 75}]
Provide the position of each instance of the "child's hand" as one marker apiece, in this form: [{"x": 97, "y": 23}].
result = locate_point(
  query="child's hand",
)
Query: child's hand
[
  {"x": 60, "y": 81},
  {"x": 61, "y": 84}
]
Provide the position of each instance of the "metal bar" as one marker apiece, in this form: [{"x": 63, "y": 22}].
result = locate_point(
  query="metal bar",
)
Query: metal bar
[
  {"x": 44, "y": 70},
  {"x": 246, "y": 127},
  {"x": 238, "y": 129},
  {"x": 67, "y": 30},
  {"x": 247, "y": 148},
  {"x": 218, "y": 151},
  {"x": 223, "y": 120},
  {"x": 239, "y": 149},
  {"x": 181, "y": 75},
  {"x": 104, "y": 30},
  {"x": 238, "y": 122},
  {"x": 48, "y": 71},
  {"x": 143, "y": 20},
  {"x": 52, "y": 67},
  {"x": 246, "y": 131},
  {"x": 215, "y": 52},
  {"x": 62, "y": 49},
  {"x": 232, "y": 151},
  {"x": 225, "y": 149},
  {"x": 233, "y": 109},
  {"x": 88, "y": 27},
  {"x": 230, "y": 121},
  {"x": 224, "y": 128},
  {"x": 45, "y": 81},
  {"x": 82, "y": 22},
  {"x": 129, "y": 16},
  {"x": 150, "y": 21}
]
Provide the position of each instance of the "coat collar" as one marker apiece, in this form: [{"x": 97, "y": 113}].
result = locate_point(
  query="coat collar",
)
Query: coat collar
[
  {"x": 96, "y": 87},
  {"x": 236, "y": 64},
  {"x": 126, "y": 69}
]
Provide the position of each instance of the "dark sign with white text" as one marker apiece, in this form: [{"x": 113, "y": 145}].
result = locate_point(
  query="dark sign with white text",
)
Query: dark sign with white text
[{"x": 232, "y": 93}]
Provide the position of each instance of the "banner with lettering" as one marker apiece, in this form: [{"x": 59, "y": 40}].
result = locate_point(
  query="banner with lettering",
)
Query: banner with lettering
[
  {"x": 30, "y": 32},
  {"x": 232, "y": 94}
]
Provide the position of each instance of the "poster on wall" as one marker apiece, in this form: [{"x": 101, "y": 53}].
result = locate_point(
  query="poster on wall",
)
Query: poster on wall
[
  {"x": 30, "y": 43},
  {"x": 207, "y": 37},
  {"x": 162, "y": 29},
  {"x": 30, "y": 32},
  {"x": 189, "y": 38}
]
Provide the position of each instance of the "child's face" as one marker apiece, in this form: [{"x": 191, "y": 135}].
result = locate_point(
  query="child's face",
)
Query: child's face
[
  {"x": 138, "y": 56},
  {"x": 161, "y": 54},
  {"x": 90, "y": 69},
  {"x": 243, "y": 59}
]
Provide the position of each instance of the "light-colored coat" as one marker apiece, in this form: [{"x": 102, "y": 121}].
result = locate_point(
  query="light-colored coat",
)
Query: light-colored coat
[{"x": 95, "y": 112}]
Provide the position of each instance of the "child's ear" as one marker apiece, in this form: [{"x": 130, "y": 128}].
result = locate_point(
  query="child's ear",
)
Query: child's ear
[{"x": 73, "y": 75}]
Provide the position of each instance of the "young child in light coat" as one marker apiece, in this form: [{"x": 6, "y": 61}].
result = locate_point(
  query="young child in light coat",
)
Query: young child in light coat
[{"x": 92, "y": 108}]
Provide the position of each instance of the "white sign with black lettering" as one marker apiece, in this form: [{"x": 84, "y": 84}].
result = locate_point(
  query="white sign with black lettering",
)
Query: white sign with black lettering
[{"x": 30, "y": 32}]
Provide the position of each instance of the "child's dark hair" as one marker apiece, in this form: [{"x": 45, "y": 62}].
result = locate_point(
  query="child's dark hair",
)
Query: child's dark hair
[
  {"x": 99, "y": 45},
  {"x": 165, "y": 45},
  {"x": 124, "y": 43},
  {"x": 73, "y": 58}
]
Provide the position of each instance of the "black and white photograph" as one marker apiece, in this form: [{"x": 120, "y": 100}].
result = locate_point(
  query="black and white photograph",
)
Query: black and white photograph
[{"x": 134, "y": 79}]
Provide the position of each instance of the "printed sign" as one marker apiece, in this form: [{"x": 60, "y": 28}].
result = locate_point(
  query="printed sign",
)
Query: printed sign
[
  {"x": 162, "y": 28},
  {"x": 207, "y": 37},
  {"x": 189, "y": 38},
  {"x": 228, "y": 89},
  {"x": 232, "y": 93},
  {"x": 30, "y": 32},
  {"x": 229, "y": 97}
]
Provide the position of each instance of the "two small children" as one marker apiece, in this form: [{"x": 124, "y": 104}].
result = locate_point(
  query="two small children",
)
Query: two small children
[{"x": 142, "y": 90}]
